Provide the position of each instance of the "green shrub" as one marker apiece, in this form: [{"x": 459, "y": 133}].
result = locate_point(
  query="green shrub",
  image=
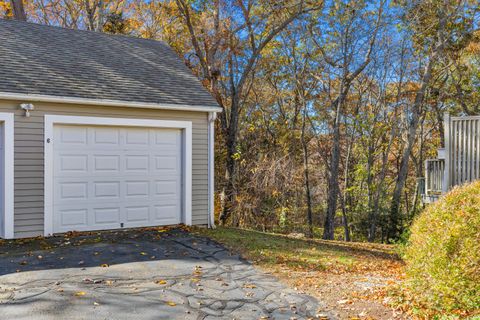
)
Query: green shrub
[{"x": 443, "y": 253}]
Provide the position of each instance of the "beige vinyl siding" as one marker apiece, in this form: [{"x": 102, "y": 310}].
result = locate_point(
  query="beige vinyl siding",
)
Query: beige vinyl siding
[{"x": 29, "y": 166}]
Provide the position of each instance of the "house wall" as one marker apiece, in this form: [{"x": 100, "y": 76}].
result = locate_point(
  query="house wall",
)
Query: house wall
[{"x": 29, "y": 157}]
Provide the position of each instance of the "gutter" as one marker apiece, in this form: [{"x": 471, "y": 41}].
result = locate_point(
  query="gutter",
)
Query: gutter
[
  {"x": 212, "y": 116},
  {"x": 105, "y": 102}
]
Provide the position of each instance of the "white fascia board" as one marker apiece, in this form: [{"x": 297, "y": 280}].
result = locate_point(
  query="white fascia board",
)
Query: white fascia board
[
  {"x": 105, "y": 102},
  {"x": 51, "y": 120}
]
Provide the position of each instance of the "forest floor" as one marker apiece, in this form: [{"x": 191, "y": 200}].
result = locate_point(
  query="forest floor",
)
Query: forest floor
[{"x": 352, "y": 279}]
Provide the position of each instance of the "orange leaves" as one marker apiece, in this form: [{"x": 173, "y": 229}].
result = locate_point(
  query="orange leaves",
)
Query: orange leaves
[{"x": 5, "y": 9}]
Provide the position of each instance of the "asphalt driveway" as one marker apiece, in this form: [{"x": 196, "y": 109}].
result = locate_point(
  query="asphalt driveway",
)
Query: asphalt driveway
[{"x": 139, "y": 274}]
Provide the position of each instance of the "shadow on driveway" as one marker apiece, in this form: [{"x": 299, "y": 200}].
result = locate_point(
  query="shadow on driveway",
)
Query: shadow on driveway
[
  {"x": 97, "y": 249},
  {"x": 150, "y": 273}
]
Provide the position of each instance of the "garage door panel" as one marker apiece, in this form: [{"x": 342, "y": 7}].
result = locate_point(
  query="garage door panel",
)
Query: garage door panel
[
  {"x": 72, "y": 190},
  {"x": 166, "y": 187},
  {"x": 105, "y": 136},
  {"x": 106, "y": 190},
  {"x": 136, "y": 189},
  {"x": 165, "y": 212},
  {"x": 73, "y": 218},
  {"x": 129, "y": 176},
  {"x": 166, "y": 138},
  {"x": 104, "y": 162},
  {"x": 73, "y": 135},
  {"x": 137, "y": 214},
  {"x": 137, "y": 137},
  {"x": 166, "y": 162},
  {"x": 74, "y": 163},
  {"x": 106, "y": 215},
  {"x": 137, "y": 163}
]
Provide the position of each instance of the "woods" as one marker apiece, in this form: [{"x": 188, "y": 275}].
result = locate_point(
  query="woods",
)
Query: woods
[{"x": 329, "y": 107}]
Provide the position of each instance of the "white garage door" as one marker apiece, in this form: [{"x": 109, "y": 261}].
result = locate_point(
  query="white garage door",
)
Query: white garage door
[{"x": 112, "y": 177}]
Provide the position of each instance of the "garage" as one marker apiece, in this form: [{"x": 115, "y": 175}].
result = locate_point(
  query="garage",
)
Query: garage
[
  {"x": 109, "y": 176},
  {"x": 119, "y": 133}
]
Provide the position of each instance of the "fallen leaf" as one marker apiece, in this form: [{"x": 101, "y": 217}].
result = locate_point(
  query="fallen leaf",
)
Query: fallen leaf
[
  {"x": 171, "y": 304},
  {"x": 143, "y": 253},
  {"x": 161, "y": 282},
  {"x": 80, "y": 293},
  {"x": 345, "y": 301}
]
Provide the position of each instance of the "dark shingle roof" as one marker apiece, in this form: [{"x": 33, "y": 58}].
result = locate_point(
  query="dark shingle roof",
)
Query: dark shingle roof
[{"x": 44, "y": 60}]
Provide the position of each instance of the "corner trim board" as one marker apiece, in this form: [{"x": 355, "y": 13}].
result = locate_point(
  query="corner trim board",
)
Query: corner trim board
[
  {"x": 8, "y": 173},
  {"x": 212, "y": 116},
  {"x": 51, "y": 120}
]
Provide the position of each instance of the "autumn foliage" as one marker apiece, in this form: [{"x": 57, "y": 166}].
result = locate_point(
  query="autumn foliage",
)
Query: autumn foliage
[{"x": 443, "y": 255}]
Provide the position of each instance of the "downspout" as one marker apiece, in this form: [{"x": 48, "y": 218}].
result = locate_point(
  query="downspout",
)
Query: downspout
[{"x": 212, "y": 116}]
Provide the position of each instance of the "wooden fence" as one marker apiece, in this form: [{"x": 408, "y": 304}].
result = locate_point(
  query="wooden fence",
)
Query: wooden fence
[
  {"x": 462, "y": 150},
  {"x": 434, "y": 176}
]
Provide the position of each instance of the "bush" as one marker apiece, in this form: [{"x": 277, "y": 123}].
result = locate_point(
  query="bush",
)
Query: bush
[{"x": 443, "y": 253}]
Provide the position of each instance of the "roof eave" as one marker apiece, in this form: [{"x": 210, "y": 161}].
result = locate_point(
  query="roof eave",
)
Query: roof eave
[{"x": 105, "y": 102}]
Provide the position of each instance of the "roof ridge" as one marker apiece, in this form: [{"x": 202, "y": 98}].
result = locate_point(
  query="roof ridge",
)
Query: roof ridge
[{"x": 92, "y": 32}]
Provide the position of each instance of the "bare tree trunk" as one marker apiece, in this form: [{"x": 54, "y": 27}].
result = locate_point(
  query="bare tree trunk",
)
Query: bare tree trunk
[
  {"x": 231, "y": 163},
  {"x": 101, "y": 16},
  {"x": 306, "y": 176},
  {"x": 419, "y": 171},
  {"x": 237, "y": 85},
  {"x": 394, "y": 227},
  {"x": 370, "y": 179},
  {"x": 19, "y": 10},
  {"x": 90, "y": 10},
  {"x": 346, "y": 229},
  {"x": 329, "y": 225},
  {"x": 373, "y": 215},
  {"x": 346, "y": 81},
  {"x": 343, "y": 198}
]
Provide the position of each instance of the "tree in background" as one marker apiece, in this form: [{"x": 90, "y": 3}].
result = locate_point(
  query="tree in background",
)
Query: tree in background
[
  {"x": 248, "y": 29},
  {"x": 18, "y": 10},
  {"x": 330, "y": 108},
  {"x": 337, "y": 39},
  {"x": 436, "y": 27},
  {"x": 5, "y": 9}
]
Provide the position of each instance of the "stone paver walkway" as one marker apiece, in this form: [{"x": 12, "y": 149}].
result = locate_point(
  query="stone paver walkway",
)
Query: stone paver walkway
[{"x": 152, "y": 275}]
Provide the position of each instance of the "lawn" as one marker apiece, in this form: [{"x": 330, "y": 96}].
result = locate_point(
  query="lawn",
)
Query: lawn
[{"x": 351, "y": 278}]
